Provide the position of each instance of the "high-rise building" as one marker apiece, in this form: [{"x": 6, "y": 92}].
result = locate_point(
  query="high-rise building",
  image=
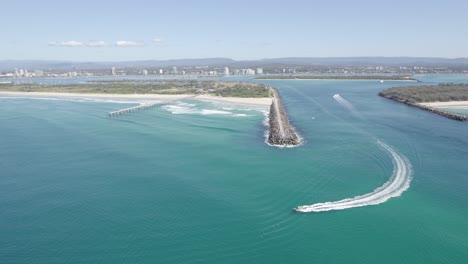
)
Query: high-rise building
[
  {"x": 249, "y": 71},
  {"x": 259, "y": 70},
  {"x": 226, "y": 71},
  {"x": 160, "y": 71},
  {"x": 144, "y": 72},
  {"x": 174, "y": 70},
  {"x": 38, "y": 73},
  {"x": 113, "y": 72}
]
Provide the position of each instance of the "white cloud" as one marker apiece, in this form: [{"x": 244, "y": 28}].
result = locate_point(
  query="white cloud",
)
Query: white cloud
[
  {"x": 71, "y": 43},
  {"x": 125, "y": 43},
  {"x": 96, "y": 43}
]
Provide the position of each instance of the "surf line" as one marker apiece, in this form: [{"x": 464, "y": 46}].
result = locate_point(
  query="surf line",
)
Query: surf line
[{"x": 398, "y": 183}]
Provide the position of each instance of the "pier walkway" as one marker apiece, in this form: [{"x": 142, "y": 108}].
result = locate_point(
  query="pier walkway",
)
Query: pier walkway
[{"x": 143, "y": 106}]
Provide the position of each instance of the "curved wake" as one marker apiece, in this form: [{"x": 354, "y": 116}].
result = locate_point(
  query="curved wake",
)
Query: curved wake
[
  {"x": 394, "y": 187},
  {"x": 398, "y": 183}
]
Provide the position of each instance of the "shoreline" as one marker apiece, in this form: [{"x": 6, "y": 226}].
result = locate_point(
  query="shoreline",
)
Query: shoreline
[
  {"x": 263, "y": 101},
  {"x": 299, "y": 79},
  {"x": 443, "y": 104},
  {"x": 434, "y": 110}
]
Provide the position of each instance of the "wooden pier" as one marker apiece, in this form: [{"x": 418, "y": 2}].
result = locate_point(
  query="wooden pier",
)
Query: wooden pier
[{"x": 142, "y": 106}]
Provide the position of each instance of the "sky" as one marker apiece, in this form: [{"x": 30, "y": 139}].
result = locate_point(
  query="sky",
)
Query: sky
[{"x": 243, "y": 30}]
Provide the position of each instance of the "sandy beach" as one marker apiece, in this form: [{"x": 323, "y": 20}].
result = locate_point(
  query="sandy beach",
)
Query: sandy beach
[
  {"x": 237, "y": 100},
  {"x": 444, "y": 104}
]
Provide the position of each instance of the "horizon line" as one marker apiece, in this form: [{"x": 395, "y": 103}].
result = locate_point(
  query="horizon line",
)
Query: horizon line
[{"x": 227, "y": 58}]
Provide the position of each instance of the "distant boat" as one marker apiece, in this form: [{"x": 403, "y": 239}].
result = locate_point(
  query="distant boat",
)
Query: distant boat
[
  {"x": 381, "y": 81},
  {"x": 302, "y": 209}
]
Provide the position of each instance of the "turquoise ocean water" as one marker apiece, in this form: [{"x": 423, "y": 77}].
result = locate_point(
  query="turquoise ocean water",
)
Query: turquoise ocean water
[
  {"x": 194, "y": 182},
  {"x": 463, "y": 110}
]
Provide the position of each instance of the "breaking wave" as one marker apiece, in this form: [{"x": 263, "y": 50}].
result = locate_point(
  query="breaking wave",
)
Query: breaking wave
[
  {"x": 181, "y": 108},
  {"x": 266, "y": 123}
]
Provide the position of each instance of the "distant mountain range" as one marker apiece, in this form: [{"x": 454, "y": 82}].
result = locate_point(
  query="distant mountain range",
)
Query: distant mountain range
[{"x": 9, "y": 65}]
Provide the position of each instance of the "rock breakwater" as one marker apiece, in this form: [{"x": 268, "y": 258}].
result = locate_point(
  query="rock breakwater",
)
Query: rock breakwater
[
  {"x": 436, "y": 111},
  {"x": 281, "y": 132}
]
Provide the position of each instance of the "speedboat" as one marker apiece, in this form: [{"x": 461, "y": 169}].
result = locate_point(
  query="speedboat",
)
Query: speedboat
[{"x": 301, "y": 209}]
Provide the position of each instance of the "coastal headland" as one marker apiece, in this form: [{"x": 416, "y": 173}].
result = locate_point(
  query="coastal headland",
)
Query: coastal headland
[
  {"x": 281, "y": 132},
  {"x": 431, "y": 98},
  {"x": 264, "y": 101},
  {"x": 231, "y": 92}
]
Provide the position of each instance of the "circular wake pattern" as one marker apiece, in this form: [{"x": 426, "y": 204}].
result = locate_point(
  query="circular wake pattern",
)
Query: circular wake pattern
[
  {"x": 397, "y": 184},
  {"x": 394, "y": 187}
]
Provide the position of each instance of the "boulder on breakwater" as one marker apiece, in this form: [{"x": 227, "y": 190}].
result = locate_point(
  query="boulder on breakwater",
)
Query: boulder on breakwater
[{"x": 281, "y": 132}]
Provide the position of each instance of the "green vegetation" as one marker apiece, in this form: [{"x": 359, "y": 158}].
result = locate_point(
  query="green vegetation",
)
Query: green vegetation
[
  {"x": 338, "y": 77},
  {"x": 100, "y": 88},
  {"x": 241, "y": 90},
  {"x": 427, "y": 93},
  {"x": 226, "y": 89}
]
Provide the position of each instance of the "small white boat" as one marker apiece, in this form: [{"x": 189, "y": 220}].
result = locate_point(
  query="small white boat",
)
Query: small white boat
[{"x": 301, "y": 209}]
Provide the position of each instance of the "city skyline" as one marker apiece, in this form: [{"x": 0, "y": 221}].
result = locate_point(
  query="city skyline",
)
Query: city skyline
[{"x": 91, "y": 31}]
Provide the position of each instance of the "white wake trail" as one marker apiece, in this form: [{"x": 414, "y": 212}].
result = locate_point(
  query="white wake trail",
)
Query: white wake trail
[
  {"x": 344, "y": 102},
  {"x": 397, "y": 184}
]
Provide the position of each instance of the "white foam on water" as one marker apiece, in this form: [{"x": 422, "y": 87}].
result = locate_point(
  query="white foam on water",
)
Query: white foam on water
[
  {"x": 229, "y": 106},
  {"x": 344, "y": 102},
  {"x": 213, "y": 108},
  {"x": 214, "y": 112},
  {"x": 178, "y": 109},
  {"x": 184, "y": 104},
  {"x": 186, "y": 108},
  {"x": 394, "y": 187},
  {"x": 398, "y": 182},
  {"x": 240, "y": 115},
  {"x": 266, "y": 123}
]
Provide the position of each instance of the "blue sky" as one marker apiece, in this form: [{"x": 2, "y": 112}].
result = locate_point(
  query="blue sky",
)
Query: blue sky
[{"x": 144, "y": 30}]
